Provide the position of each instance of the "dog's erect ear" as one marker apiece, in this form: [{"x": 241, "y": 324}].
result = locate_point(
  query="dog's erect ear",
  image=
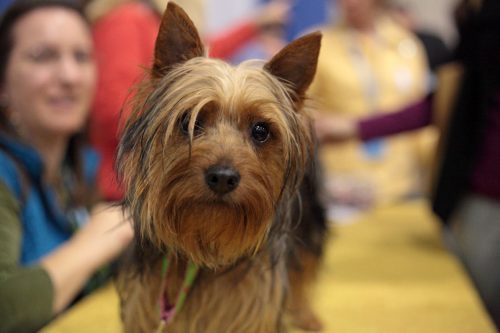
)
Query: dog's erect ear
[
  {"x": 177, "y": 41},
  {"x": 296, "y": 63}
]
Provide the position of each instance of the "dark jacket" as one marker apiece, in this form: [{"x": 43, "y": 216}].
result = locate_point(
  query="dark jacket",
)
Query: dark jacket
[{"x": 479, "y": 52}]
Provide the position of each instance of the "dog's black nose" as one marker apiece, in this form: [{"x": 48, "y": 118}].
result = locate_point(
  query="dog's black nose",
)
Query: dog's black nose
[{"x": 222, "y": 179}]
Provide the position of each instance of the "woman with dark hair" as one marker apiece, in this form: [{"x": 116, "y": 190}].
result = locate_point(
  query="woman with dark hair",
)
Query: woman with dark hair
[
  {"x": 54, "y": 236},
  {"x": 466, "y": 194}
]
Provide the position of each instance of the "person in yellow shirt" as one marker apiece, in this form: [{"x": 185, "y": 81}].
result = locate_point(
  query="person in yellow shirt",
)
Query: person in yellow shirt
[{"x": 367, "y": 64}]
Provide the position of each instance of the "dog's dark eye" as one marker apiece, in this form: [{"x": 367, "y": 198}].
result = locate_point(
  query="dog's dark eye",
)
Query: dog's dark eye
[
  {"x": 260, "y": 132},
  {"x": 184, "y": 124}
]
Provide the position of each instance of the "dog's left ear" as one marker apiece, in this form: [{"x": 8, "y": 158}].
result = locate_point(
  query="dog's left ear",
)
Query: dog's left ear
[
  {"x": 296, "y": 63},
  {"x": 177, "y": 41}
]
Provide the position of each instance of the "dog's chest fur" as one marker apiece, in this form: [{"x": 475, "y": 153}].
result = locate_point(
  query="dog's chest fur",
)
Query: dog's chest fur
[{"x": 247, "y": 298}]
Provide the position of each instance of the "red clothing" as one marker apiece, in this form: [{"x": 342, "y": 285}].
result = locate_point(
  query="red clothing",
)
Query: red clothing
[
  {"x": 227, "y": 43},
  {"x": 124, "y": 44},
  {"x": 410, "y": 118}
]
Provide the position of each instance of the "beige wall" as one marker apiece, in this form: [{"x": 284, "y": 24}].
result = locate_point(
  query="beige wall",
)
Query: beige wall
[{"x": 434, "y": 16}]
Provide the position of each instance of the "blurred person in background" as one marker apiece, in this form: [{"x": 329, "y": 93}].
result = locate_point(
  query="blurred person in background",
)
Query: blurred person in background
[
  {"x": 55, "y": 238},
  {"x": 436, "y": 51},
  {"x": 466, "y": 186},
  {"x": 304, "y": 16},
  {"x": 124, "y": 34},
  {"x": 308, "y": 14},
  {"x": 369, "y": 64}
]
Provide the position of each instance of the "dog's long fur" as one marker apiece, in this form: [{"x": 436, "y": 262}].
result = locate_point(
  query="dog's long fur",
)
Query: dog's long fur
[{"x": 195, "y": 113}]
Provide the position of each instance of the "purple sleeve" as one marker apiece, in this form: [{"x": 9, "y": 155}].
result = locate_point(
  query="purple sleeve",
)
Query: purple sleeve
[{"x": 410, "y": 118}]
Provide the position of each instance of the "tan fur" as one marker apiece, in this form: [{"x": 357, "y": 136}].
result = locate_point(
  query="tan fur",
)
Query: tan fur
[
  {"x": 301, "y": 279},
  {"x": 258, "y": 290},
  {"x": 230, "y": 99},
  {"x": 192, "y": 114}
]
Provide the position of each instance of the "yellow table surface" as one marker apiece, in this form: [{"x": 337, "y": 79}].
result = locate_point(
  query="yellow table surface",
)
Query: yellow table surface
[{"x": 388, "y": 272}]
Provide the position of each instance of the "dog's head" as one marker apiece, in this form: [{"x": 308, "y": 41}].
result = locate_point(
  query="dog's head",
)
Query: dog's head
[{"x": 210, "y": 150}]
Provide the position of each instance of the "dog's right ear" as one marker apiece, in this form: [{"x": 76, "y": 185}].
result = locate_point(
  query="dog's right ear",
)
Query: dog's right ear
[
  {"x": 296, "y": 63},
  {"x": 177, "y": 41}
]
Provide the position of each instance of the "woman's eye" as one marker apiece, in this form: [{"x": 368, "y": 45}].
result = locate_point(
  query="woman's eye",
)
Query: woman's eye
[
  {"x": 44, "y": 55},
  {"x": 82, "y": 56},
  {"x": 260, "y": 132}
]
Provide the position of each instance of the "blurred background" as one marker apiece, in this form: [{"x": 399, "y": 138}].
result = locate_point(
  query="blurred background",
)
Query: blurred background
[{"x": 405, "y": 106}]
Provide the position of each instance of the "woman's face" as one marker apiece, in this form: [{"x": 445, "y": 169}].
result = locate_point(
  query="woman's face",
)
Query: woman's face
[
  {"x": 358, "y": 12},
  {"x": 50, "y": 75}
]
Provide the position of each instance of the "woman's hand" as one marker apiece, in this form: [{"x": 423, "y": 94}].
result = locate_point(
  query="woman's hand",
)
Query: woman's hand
[
  {"x": 333, "y": 128},
  {"x": 106, "y": 234},
  {"x": 102, "y": 239}
]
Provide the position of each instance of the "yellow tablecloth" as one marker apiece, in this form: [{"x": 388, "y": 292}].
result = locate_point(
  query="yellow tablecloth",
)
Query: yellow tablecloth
[{"x": 388, "y": 272}]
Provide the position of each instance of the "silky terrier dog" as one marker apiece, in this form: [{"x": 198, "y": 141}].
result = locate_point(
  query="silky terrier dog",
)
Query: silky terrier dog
[{"x": 214, "y": 159}]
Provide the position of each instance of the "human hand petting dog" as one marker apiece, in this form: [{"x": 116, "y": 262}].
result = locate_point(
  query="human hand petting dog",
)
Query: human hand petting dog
[
  {"x": 102, "y": 239},
  {"x": 106, "y": 234}
]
